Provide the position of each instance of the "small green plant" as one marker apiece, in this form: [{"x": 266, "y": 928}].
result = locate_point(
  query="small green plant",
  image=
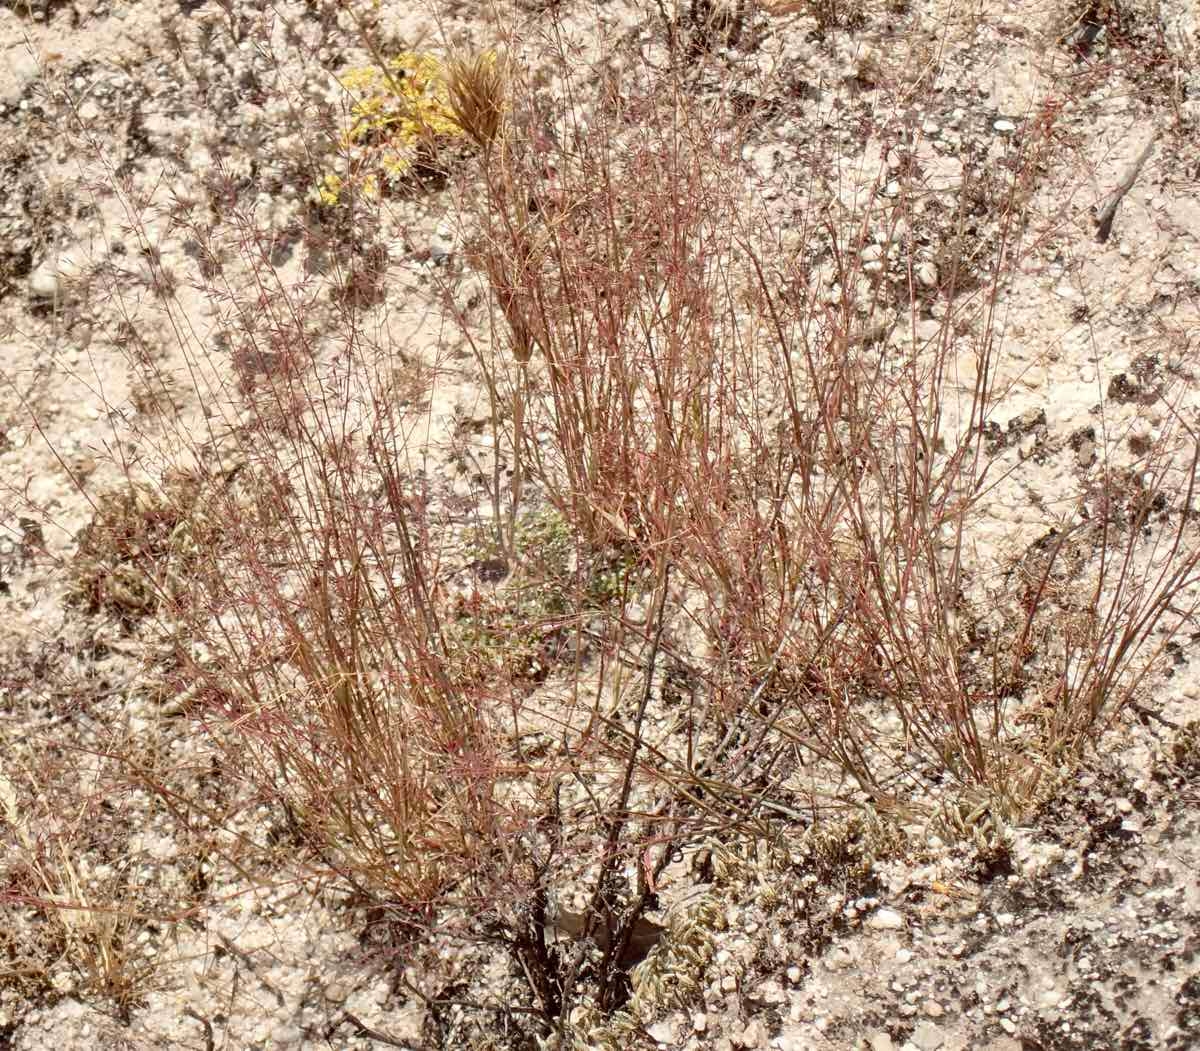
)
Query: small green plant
[
  {"x": 402, "y": 111},
  {"x": 528, "y": 622}
]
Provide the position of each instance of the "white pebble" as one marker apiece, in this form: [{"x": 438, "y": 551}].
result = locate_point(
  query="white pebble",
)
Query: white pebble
[
  {"x": 927, "y": 273},
  {"x": 886, "y": 920},
  {"x": 44, "y": 282},
  {"x": 663, "y": 1032}
]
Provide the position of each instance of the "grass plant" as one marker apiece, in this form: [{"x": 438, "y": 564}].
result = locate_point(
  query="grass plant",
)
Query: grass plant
[{"x": 764, "y": 441}]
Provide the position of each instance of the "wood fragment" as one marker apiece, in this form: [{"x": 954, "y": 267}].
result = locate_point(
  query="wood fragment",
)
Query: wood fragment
[
  {"x": 1107, "y": 212},
  {"x": 361, "y": 1031},
  {"x": 209, "y": 1040}
]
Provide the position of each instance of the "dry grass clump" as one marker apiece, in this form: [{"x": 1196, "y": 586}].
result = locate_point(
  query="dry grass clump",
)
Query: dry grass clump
[
  {"x": 477, "y": 90},
  {"x": 814, "y": 487},
  {"x": 82, "y": 905}
]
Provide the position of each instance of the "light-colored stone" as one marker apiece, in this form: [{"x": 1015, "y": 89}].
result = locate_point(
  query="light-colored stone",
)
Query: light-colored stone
[
  {"x": 44, "y": 282},
  {"x": 926, "y": 273},
  {"x": 52, "y": 278},
  {"x": 927, "y": 1037},
  {"x": 665, "y": 1031},
  {"x": 885, "y": 920},
  {"x": 753, "y": 1035}
]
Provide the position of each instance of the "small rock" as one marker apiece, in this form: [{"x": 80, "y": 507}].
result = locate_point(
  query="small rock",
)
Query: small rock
[
  {"x": 927, "y": 1037},
  {"x": 771, "y": 992},
  {"x": 886, "y": 920},
  {"x": 927, "y": 273},
  {"x": 664, "y": 1032},
  {"x": 840, "y": 957},
  {"x": 441, "y": 245},
  {"x": 700, "y": 1022},
  {"x": 933, "y": 1009},
  {"x": 52, "y": 277},
  {"x": 44, "y": 282},
  {"x": 904, "y": 955},
  {"x": 1005, "y": 127},
  {"x": 794, "y": 974},
  {"x": 880, "y": 1041},
  {"x": 24, "y": 69},
  {"x": 1085, "y": 455},
  {"x": 754, "y": 1035}
]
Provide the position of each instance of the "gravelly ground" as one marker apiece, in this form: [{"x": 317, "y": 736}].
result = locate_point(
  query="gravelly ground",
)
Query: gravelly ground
[{"x": 1081, "y": 933}]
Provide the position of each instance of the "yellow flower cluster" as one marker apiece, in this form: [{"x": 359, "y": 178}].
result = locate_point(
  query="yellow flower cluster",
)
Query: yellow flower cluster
[{"x": 398, "y": 108}]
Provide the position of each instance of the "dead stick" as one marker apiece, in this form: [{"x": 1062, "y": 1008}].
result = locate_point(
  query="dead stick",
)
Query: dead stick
[
  {"x": 361, "y": 1030},
  {"x": 1108, "y": 211}
]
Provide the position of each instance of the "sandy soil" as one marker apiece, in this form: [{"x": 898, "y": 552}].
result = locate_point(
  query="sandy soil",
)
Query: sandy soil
[{"x": 1080, "y": 933}]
